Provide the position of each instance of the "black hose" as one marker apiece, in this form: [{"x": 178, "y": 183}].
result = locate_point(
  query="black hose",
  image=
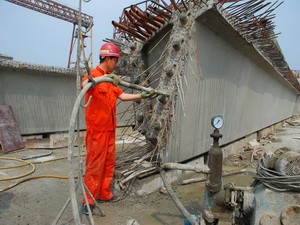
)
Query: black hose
[{"x": 275, "y": 180}]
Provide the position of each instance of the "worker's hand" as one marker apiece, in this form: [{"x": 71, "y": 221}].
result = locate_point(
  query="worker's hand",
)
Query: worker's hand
[
  {"x": 148, "y": 94},
  {"x": 116, "y": 78}
]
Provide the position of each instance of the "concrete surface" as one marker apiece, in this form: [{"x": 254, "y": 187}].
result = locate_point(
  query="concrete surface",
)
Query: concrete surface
[{"x": 38, "y": 201}]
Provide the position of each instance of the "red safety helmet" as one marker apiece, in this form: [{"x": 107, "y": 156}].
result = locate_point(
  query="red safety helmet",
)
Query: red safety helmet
[{"x": 109, "y": 49}]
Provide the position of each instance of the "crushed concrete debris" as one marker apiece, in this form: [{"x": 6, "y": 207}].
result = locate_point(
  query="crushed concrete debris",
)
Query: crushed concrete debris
[
  {"x": 274, "y": 138},
  {"x": 293, "y": 123},
  {"x": 132, "y": 222},
  {"x": 163, "y": 190},
  {"x": 146, "y": 164},
  {"x": 253, "y": 143}
]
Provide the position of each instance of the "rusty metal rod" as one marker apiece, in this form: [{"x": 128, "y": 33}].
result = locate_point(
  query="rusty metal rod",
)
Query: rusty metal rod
[
  {"x": 142, "y": 15},
  {"x": 148, "y": 20},
  {"x": 150, "y": 9},
  {"x": 144, "y": 33},
  {"x": 241, "y": 15},
  {"x": 220, "y": 3},
  {"x": 127, "y": 30},
  {"x": 256, "y": 9},
  {"x": 235, "y": 6},
  {"x": 156, "y": 18},
  {"x": 175, "y": 6},
  {"x": 138, "y": 18},
  {"x": 151, "y": 32},
  {"x": 160, "y": 5},
  {"x": 248, "y": 12},
  {"x": 164, "y": 14},
  {"x": 160, "y": 12},
  {"x": 242, "y": 9},
  {"x": 184, "y": 5},
  {"x": 270, "y": 8},
  {"x": 140, "y": 31},
  {"x": 133, "y": 21}
]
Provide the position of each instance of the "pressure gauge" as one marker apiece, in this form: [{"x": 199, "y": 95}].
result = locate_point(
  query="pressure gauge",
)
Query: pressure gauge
[{"x": 217, "y": 122}]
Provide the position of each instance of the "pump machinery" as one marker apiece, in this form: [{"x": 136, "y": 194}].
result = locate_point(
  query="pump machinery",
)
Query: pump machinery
[{"x": 272, "y": 199}]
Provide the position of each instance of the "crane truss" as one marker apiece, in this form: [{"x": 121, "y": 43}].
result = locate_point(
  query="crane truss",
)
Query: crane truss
[
  {"x": 62, "y": 12},
  {"x": 56, "y": 10}
]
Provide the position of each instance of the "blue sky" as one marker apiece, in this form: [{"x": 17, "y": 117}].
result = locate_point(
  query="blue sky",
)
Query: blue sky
[{"x": 33, "y": 37}]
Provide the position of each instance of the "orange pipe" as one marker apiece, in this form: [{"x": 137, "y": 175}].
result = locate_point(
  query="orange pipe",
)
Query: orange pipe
[
  {"x": 140, "y": 20},
  {"x": 141, "y": 14},
  {"x": 164, "y": 14},
  {"x": 127, "y": 30},
  {"x": 175, "y": 6},
  {"x": 146, "y": 34}
]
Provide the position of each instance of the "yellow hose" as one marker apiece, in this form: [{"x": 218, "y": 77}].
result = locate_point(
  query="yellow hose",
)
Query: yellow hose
[
  {"x": 25, "y": 163},
  {"x": 15, "y": 159},
  {"x": 20, "y": 176},
  {"x": 32, "y": 178}
]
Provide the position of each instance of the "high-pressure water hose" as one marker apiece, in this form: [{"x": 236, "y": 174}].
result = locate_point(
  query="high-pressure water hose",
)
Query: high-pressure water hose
[
  {"x": 176, "y": 201},
  {"x": 71, "y": 138}
]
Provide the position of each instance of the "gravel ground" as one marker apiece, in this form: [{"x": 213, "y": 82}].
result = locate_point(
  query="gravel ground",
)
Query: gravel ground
[{"x": 38, "y": 201}]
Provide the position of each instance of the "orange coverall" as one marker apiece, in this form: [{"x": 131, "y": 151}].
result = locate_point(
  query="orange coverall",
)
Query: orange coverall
[{"x": 100, "y": 116}]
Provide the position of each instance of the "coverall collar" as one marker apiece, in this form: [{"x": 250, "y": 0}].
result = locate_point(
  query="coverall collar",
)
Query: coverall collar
[{"x": 101, "y": 70}]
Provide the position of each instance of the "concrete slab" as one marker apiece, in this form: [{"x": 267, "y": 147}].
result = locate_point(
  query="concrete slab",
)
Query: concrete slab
[{"x": 10, "y": 137}]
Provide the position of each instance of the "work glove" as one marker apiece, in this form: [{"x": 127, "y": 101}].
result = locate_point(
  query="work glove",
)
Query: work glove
[
  {"x": 91, "y": 80},
  {"x": 147, "y": 94},
  {"x": 116, "y": 79}
]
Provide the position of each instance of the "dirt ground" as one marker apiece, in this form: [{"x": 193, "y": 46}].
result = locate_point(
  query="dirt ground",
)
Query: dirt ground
[{"x": 38, "y": 201}]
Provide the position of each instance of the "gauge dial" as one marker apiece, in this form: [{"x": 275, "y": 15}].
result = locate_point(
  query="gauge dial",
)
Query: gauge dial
[{"x": 217, "y": 122}]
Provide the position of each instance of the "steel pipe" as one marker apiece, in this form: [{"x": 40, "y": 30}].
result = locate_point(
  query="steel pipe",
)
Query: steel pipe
[
  {"x": 155, "y": 18},
  {"x": 163, "y": 17},
  {"x": 147, "y": 31},
  {"x": 165, "y": 8},
  {"x": 175, "y": 6},
  {"x": 127, "y": 30},
  {"x": 138, "y": 18},
  {"x": 141, "y": 14},
  {"x": 160, "y": 12}
]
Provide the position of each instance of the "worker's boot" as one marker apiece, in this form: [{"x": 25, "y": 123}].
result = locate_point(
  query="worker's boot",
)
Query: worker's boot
[{"x": 85, "y": 210}]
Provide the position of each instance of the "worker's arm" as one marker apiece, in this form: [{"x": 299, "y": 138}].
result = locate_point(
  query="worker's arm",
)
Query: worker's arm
[
  {"x": 132, "y": 97},
  {"x": 129, "y": 97},
  {"x": 123, "y": 96}
]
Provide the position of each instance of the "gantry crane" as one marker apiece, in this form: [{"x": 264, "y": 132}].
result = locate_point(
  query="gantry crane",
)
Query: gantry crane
[{"x": 62, "y": 12}]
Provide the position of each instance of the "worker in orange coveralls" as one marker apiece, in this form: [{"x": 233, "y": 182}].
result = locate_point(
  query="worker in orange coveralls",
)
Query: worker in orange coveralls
[{"x": 100, "y": 116}]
